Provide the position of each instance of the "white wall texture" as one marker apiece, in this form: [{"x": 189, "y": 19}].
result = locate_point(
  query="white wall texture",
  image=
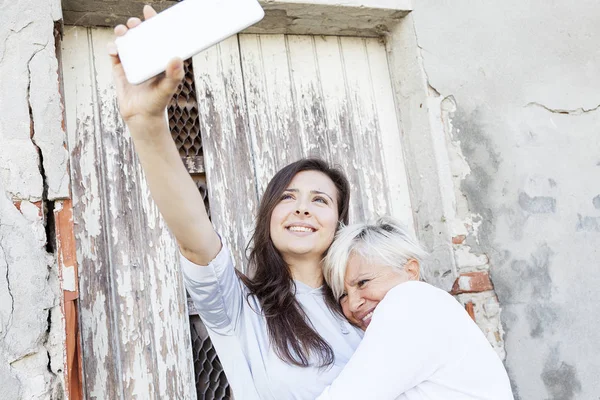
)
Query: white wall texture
[
  {"x": 518, "y": 88},
  {"x": 31, "y": 323}
]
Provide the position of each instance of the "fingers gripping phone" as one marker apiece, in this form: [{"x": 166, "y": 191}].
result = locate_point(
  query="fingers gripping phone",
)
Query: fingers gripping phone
[{"x": 182, "y": 30}]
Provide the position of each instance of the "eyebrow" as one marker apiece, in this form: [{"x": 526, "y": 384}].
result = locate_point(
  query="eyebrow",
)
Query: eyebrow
[
  {"x": 357, "y": 279},
  {"x": 312, "y": 192}
]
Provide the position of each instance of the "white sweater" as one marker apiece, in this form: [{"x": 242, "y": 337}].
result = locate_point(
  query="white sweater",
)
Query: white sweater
[{"x": 421, "y": 344}]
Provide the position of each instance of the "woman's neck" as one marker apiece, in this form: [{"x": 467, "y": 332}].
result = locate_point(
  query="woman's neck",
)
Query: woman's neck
[{"x": 308, "y": 272}]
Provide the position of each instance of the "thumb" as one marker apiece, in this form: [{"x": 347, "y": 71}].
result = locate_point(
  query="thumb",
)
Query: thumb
[{"x": 173, "y": 75}]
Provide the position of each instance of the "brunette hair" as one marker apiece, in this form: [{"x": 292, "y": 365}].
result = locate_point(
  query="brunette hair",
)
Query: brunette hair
[{"x": 293, "y": 337}]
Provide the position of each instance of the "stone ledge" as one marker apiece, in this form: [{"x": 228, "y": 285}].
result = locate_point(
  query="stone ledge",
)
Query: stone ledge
[{"x": 317, "y": 17}]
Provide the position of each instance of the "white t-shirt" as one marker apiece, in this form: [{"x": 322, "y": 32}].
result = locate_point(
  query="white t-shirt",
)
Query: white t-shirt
[
  {"x": 421, "y": 344},
  {"x": 239, "y": 333}
]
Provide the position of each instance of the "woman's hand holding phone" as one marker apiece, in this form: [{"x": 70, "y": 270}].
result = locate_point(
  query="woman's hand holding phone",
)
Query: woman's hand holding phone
[{"x": 143, "y": 104}]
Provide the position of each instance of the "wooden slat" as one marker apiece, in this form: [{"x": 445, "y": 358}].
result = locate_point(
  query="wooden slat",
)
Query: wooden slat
[
  {"x": 327, "y": 96},
  {"x": 274, "y": 125},
  {"x": 307, "y": 96},
  {"x": 389, "y": 133},
  {"x": 337, "y": 109},
  {"x": 100, "y": 346},
  {"x": 227, "y": 147},
  {"x": 135, "y": 331},
  {"x": 365, "y": 128}
]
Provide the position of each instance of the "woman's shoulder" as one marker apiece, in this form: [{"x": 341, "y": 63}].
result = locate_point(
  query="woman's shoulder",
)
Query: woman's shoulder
[
  {"x": 415, "y": 288},
  {"x": 419, "y": 297}
]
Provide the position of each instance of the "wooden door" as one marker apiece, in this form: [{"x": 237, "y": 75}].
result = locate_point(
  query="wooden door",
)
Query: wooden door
[
  {"x": 265, "y": 101},
  {"x": 268, "y": 100}
]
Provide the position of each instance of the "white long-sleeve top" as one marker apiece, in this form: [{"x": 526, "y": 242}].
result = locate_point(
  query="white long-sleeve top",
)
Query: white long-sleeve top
[
  {"x": 421, "y": 345},
  {"x": 238, "y": 331}
]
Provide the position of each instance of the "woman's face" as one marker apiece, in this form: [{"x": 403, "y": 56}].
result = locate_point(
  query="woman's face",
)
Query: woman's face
[
  {"x": 366, "y": 283},
  {"x": 304, "y": 222}
]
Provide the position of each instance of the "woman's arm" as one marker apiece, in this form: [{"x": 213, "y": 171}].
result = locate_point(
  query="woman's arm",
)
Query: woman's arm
[{"x": 177, "y": 197}]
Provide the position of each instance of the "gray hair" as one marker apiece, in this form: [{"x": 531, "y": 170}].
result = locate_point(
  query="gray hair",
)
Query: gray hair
[{"x": 387, "y": 242}]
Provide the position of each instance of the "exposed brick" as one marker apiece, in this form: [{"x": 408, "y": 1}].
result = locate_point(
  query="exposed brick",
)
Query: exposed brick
[
  {"x": 67, "y": 261},
  {"x": 65, "y": 245},
  {"x": 472, "y": 282},
  {"x": 470, "y": 307},
  {"x": 458, "y": 239},
  {"x": 38, "y": 204}
]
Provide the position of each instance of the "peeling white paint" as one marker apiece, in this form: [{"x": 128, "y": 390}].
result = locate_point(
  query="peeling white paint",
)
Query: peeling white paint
[
  {"x": 47, "y": 115},
  {"x": 68, "y": 278},
  {"x": 128, "y": 260},
  {"x": 30, "y": 316},
  {"x": 27, "y": 293}
]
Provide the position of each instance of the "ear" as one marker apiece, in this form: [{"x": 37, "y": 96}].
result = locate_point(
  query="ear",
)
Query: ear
[{"x": 413, "y": 269}]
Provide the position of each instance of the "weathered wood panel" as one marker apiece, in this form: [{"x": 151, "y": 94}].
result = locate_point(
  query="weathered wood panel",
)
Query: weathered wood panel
[
  {"x": 331, "y": 97},
  {"x": 274, "y": 126},
  {"x": 364, "y": 125},
  {"x": 228, "y": 154},
  {"x": 341, "y": 138},
  {"x": 99, "y": 363},
  {"x": 390, "y": 133},
  {"x": 135, "y": 331}
]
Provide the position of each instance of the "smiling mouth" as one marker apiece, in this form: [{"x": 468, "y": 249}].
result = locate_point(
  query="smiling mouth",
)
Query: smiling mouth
[
  {"x": 366, "y": 320},
  {"x": 300, "y": 229}
]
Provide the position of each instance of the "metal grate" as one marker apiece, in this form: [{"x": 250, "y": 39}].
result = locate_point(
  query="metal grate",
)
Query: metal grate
[
  {"x": 211, "y": 383},
  {"x": 183, "y": 116}
]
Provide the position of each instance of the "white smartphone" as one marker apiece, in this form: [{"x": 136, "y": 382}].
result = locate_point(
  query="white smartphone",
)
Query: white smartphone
[{"x": 182, "y": 30}]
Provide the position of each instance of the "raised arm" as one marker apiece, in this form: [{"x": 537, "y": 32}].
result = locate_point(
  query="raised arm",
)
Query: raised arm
[{"x": 177, "y": 197}]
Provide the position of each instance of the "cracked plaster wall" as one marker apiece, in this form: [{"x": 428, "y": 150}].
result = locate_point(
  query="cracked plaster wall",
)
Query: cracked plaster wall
[
  {"x": 33, "y": 173},
  {"x": 517, "y": 87}
]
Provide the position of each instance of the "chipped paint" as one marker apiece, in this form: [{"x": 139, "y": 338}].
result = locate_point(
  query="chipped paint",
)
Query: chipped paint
[
  {"x": 133, "y": 321},
  {"x": 68, "y": 278},
  {"x": 32, "y": 170}
]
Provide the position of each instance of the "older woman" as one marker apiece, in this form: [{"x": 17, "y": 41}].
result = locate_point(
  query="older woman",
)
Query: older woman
[{"x": 419, "y": 342}]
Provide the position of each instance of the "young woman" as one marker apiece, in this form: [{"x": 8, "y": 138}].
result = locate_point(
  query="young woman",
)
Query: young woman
[{"x": 278, "y": 332}]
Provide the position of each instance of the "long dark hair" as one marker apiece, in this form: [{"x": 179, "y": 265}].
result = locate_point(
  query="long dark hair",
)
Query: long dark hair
[{"x": 293, "y": 337}]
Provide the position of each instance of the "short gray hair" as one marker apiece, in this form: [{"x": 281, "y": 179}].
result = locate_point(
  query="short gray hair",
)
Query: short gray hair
[{"x": 387, "y": 242}]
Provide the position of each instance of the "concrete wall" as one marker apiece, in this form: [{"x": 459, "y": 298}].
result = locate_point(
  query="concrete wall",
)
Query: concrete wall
[
  {"x": 518, "y": 88},
  {"x": 33, "y": 173}
]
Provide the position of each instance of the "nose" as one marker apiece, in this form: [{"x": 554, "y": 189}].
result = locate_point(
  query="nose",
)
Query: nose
[
  {"x": 301, "y": 208},
  {"x": 355, "y": 301}
]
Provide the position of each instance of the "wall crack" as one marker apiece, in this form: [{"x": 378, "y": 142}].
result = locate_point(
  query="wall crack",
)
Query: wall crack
[
  {"x": 32, "y": 124},
  {"x": 577, "y": 111},
  {"x": 47, "y": 206},
  {"x": 12, "y": 298}
]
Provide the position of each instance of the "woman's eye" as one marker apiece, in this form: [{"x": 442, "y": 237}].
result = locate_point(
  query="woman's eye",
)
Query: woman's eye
[
  {"x": 286, "y": 196},
  {"x": 362, "y": 283},
  {"x": 342, "y": 298},
  {"x": 321, "y": 200}
]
